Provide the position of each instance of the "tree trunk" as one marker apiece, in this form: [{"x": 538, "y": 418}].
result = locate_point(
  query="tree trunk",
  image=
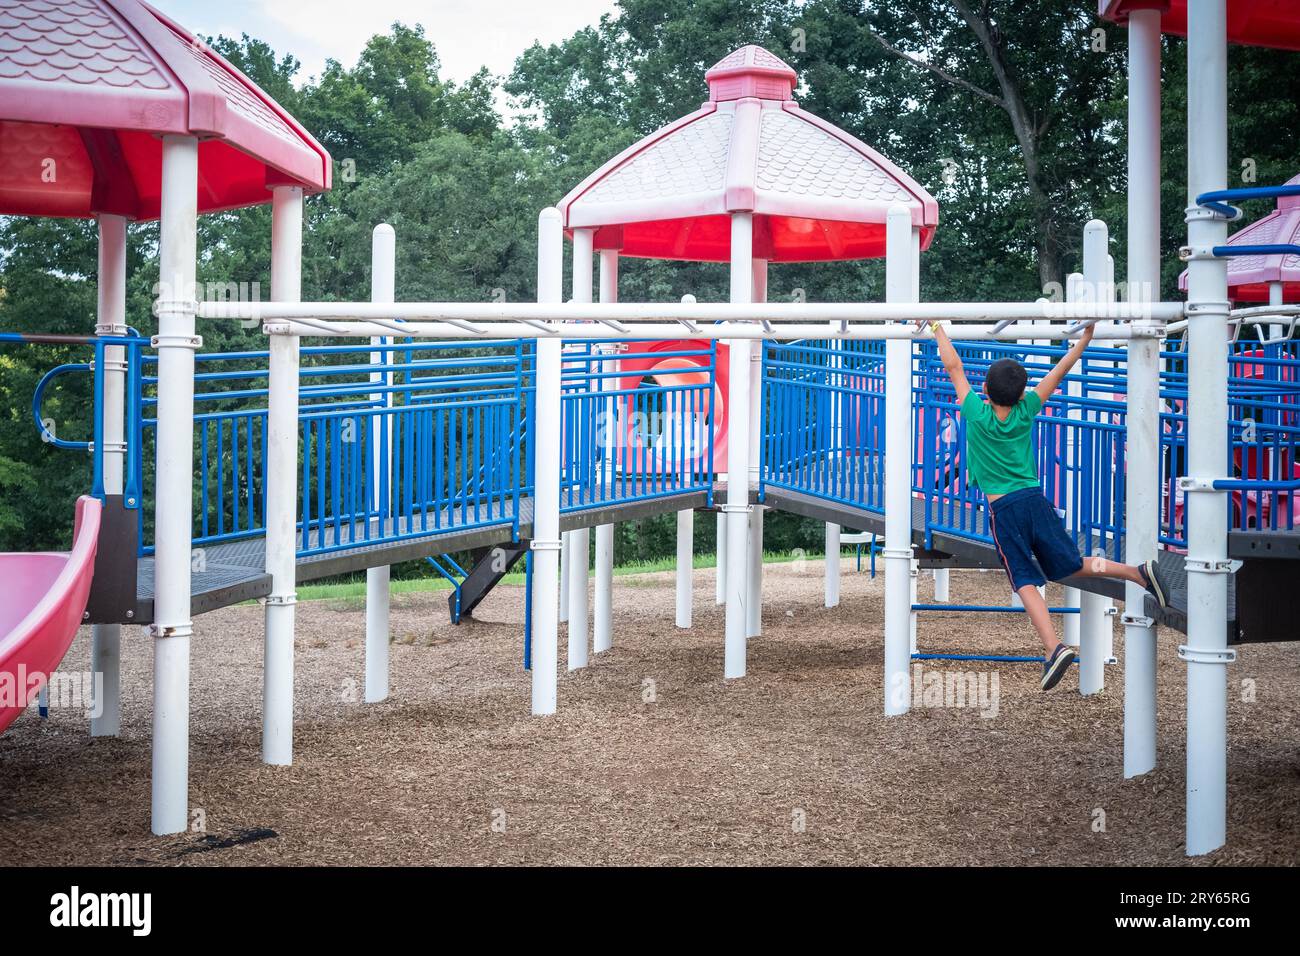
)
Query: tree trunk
[{"x": 1027, "y": 136}]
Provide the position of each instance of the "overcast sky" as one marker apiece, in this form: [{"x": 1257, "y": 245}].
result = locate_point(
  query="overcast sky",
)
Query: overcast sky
[{"x": 468, "y": 34}]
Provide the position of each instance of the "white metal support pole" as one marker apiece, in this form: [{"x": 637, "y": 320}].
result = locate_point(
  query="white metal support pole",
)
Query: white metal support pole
[
  {"x": 173, "y": 508},
  {"x": 685, "y": 538},
  {"x": 737, "y": 507},
  {"x": 913, "y": 578},
  {"x": 579, "y": 619},
  {"x": 754, "y": 603},
  {"x": 1093, "y": 616},
  {"x": 941, "y": 585},
  {"x": 720, "y": 577},
  {"x": 1072, "y": 597},
  {"x": 832, "y": 565},
  {"x": 833, "y": 531},
  {"x": 566, "y": 544},
  {"x": 685, "y": 565},
  {"x": 546, "y": 519},
  {"x": 106, "y": 639},
  {"x": 899, "y": 287},
  {"x": 383, "y": 287},
  {"x": 1142, "y": 454},
  {"x": 1206, "y": 651},
  {"x": 282, "y": 483},
  {"x": 1276, "y": 296},
  {"x": 603, "y": 637},
  {"x": 1092, "y": 642},
  {"x": 580, "y": 538}
]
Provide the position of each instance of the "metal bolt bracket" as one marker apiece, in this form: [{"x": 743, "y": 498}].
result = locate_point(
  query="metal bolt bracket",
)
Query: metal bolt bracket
[
  {"x": 281, "y": 600},
  {"x": 161, "y": 631},
  {"x": 1212, "y": 567},
  {"x": 176, "y": 307},
  {"x": 1188, "y": 483},
  {"x": 1195, "y": 310},
  {"x": 1218, "y": 655},
  {"x": 1137, "y": 620},
  {"x": 1193, "y": 213},
  {"x": 536, "y": 545},
  {"x": 192, "y": 342}
]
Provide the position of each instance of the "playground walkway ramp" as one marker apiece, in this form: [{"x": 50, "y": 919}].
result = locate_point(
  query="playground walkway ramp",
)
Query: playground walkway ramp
[
  {"x": 47, "y": 594},
  {"x": 957, "y": 550},
  {"x": 230, "y": 572}
]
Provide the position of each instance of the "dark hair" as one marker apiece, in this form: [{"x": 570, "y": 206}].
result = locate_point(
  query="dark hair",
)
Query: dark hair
[{"x": 1006, "y": 382}]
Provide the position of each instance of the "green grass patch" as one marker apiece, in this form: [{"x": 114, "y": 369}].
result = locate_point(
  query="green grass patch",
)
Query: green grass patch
[{"x": 355, "y": 591}]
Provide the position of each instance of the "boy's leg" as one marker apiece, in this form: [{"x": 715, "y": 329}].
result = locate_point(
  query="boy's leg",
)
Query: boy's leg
[
  {"x": 1147, "y": 575},
  {"x": 1036, "y": 610},
  {"x": 1097, "y": 567}
]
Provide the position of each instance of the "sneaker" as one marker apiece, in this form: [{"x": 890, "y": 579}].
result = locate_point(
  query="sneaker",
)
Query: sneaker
[
  {"x": 1054, "y": 667},
  {"x": 1151, "y": 580}
]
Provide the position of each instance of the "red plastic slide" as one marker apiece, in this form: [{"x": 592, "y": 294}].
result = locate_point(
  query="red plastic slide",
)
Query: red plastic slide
[{"x": 45, "y": 595}]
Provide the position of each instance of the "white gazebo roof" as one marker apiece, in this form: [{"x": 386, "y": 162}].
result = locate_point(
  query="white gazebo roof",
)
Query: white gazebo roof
[{"x": 816, "y": 192}]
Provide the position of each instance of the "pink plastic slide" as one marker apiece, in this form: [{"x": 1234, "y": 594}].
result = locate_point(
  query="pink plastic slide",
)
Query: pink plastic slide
[{"x": 45, "y": 595}]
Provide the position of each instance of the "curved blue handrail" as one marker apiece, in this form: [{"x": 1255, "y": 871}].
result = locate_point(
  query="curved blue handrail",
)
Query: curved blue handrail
[
  {"x": 38, "y": 399},
  {"x": 1219, "y": 200}
]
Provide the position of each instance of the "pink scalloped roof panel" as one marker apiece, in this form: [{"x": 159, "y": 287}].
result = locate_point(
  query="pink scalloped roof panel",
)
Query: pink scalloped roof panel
[
  {"x": 816, "y": 192},
  {"x": 86, "y": 88},
  {"x": 1273, "y": 23},
  {"x": 1249, "y": 277}
]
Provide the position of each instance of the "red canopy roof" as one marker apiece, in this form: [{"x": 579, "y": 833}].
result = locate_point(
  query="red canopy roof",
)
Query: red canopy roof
[
  {"x": 816, "y": 192},
  {"x": 87, "y": 86},
  {"x": 1274, "y": 23}
]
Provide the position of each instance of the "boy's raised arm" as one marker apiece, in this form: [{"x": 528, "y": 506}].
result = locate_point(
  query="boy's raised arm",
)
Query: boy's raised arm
[
  {"x": 951, "y": 360},
  {"x": 1052, "y": 380}
]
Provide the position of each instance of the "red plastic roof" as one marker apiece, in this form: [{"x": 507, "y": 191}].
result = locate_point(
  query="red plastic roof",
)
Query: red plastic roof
[
  {"x": 1274, "y": 23},
  {"x": 1249, "y": 277},
  {"x": 816, "y": 192},
  {"x": 87, "y": 87}
]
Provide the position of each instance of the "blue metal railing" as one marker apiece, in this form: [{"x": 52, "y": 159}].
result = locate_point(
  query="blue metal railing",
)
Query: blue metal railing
[
  {"x": 824, "y": 420},
  {"x": 452, "y": 572},
  {"x": 450, "y": 419},
  {"x": 637, "y": 433},
  {"x": 131, "y": 346},
  {"x": 1221, "y": 200},
  {"x": 456, "y": 423},
  {"x": 824, "y": 435}
]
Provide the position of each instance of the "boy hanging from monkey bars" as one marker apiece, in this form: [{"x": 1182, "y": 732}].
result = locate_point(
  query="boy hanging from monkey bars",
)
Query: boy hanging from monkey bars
[{"x": 1029, "y": 535}]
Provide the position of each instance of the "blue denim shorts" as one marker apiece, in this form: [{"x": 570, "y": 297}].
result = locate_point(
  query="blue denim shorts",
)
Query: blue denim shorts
[{"x": 1031, "y": 539}]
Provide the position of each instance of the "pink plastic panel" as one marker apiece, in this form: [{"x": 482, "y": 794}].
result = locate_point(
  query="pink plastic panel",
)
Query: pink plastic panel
[
  {"x": 45, "y": 597},
  {"x": 89, "y": 85},
  {"x": 1274, "y": 23},
  {"x": 641, "y": 361}
]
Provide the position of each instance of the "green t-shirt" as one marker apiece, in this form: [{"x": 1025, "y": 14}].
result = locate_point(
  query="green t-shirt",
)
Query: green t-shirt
[{"x": 1000, "y": 454}]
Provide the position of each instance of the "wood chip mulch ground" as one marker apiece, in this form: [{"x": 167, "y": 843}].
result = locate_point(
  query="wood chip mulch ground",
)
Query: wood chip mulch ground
[{"x": 653, "y": 758}]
